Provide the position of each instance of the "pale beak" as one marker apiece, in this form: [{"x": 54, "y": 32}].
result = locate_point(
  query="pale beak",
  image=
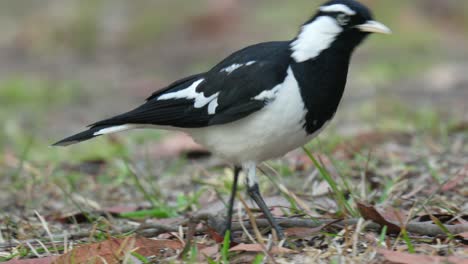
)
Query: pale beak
[{"x": 372, "y": 26}]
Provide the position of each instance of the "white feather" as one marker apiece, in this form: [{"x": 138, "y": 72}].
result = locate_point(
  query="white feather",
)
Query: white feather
[
  {"x": 268, "y": 94},
  {"x": 236, "y": 66},
  {"x": 315, "y": 38},
  {"x": 187, "y": 93},
  {"x": 212, "y": 107},
  {"x": 113, "y": 129},
  {"x": 340, "y": 8},
  {"x": 232, "y": 68},
  {"x": 190, "y": 93}
]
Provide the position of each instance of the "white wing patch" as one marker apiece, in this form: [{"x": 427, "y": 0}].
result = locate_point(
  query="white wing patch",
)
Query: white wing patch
[
  {"x": 212, "y": 106},
  {"x": 315, "y": 38},
  {"x": 113, "y": 129},
  {"x": 187, "y": 93},
  {"x": 268, "y": 95},
  {"x": 190, "y": 93},
  {"x": 236, "y": 66},
  {"x": 340, "y": 8}
]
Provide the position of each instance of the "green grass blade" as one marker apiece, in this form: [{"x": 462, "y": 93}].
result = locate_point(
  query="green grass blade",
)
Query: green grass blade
[
  {"x": 226, "y": 245},
  {"x": 442, "y": 227},
  {"x": 383, "y": 234},
  {"x": 343, "y": 204},
  {"x": 258, "y": 259},
  {"x": 407, "y": 240}
]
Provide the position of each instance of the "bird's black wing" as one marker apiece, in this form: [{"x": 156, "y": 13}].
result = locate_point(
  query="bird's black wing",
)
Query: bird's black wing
[{"x": 224, "y": 94}]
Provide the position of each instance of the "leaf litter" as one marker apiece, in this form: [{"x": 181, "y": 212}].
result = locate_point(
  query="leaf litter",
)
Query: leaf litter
[{"x": 403, "y": 191}]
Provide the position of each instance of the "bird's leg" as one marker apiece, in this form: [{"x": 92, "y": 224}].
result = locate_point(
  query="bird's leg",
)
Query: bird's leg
[
  {"x": 254, "y": 193},
  {"x": 237, "y": 171}
]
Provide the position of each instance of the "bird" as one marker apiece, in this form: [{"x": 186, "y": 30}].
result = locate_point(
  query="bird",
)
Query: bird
[{"x": 260, "y": 102}]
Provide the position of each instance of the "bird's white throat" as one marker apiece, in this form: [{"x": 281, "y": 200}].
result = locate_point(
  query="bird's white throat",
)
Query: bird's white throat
[{"x": 314, "y": 38}]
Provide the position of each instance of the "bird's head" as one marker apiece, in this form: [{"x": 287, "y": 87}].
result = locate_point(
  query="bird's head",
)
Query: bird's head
[{"x": 340, "y": 23}]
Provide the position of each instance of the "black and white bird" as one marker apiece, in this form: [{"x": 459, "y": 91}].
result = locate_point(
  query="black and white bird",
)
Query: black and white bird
[{"x": 262, "y": 101}]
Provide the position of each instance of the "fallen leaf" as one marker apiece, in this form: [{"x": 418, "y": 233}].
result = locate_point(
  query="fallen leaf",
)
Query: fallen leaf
[
  {"x": 46, "y": 260},
  {"x": 393, "y": 215},
  {"x": 218, "y": 238},
  {"x": 259, "y": 248},
  {"x": 368, "y": 212},
  {"x": 210, "y": 252},
  {"x": 114, "y": 250},
  {"x": 406, "y": 258}
]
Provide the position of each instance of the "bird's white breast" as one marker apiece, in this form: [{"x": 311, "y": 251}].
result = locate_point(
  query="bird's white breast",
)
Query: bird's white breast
[{"x": 268, "y": 133}]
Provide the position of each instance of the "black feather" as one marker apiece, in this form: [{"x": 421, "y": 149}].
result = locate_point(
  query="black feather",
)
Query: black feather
[{"x": 83, "y": 136}]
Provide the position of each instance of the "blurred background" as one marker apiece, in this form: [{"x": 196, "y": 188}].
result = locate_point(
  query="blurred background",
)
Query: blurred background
[{"x": 67, "y": 63}]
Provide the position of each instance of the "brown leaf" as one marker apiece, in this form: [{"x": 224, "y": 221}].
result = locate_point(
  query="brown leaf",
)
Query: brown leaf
[
  {"x": 114, "y": 250},
  {"x": 406, "y": 258},
  {"x": 368, "y": 212},
  {"x": 210, "y": 252},
  {"x": 258, "y": 248},
  {"x": 217, "y": 237},
  {"x": 46, "y": 260},
  {"x": 393, "y": 215}
]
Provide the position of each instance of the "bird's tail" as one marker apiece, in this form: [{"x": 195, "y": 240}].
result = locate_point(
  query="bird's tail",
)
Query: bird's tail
[{"x": 93, "y": 132}]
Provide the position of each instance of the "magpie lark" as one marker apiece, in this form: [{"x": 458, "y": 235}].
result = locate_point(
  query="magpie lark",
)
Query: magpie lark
[{"x": 262, "y": 101}]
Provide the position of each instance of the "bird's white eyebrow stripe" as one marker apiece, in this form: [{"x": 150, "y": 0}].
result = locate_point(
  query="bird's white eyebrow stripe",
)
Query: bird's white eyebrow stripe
[{"x": 338, "y": 8}]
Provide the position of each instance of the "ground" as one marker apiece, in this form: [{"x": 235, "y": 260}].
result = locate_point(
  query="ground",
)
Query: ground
[{"x": 396, "y": 154}]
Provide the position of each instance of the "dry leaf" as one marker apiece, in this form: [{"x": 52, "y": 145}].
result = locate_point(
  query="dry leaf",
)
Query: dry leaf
[
  {"x": 368, "y": 212},
  {"x": 210, "y": 252},
  {"x": 406, "y": 258},
  {"x": 114, "y": 250}
]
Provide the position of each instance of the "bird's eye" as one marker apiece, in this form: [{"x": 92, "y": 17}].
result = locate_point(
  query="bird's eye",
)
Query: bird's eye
[{"x": 343, "y": 19}]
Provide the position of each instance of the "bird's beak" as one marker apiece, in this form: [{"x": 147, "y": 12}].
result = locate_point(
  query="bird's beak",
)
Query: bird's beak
[{"x": 372, "y": 26}]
